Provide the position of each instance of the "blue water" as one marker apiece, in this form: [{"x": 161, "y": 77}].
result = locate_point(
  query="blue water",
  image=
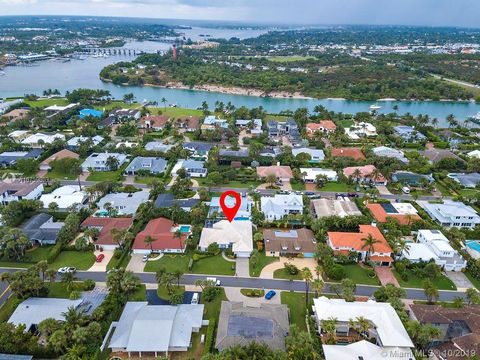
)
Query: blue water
[
  {"x": 185, "y": 228},
  {"x": 475, "y": 245}
]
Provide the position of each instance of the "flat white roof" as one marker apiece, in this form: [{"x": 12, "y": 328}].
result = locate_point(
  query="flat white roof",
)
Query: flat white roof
[
  {"x": 418, "y": 251},
  {"x": 365, "y": 350}
]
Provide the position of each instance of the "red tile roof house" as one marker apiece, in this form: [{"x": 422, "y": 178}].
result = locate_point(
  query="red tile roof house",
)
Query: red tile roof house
[
  {"x": 283, "y": 173},
  {"x": 354, "y": 153},
  {"x": 344, "y": 242},
  {"x": 379, "y": 214},
  {"x": 189, "y": 123},
  {"x": 365, "y": 174},
  {"x": 163, "y": 231},
  {"x": 326, "y": 126},
  {"x": 105, "y": 225},
  {"x": 62, "y": 154},
  {"x": 151, "y": 122}
]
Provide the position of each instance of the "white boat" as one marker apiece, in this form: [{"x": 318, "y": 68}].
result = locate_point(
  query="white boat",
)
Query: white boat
[{"x": 375, "y": 107}]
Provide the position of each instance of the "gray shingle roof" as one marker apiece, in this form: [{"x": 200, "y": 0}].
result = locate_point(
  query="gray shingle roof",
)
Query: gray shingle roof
[{"x": 154, "y": 165}]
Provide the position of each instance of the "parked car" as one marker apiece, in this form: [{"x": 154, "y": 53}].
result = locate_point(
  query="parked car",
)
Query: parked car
[
  {"x": 406, "y": 190},
  {"x": 214, "y": 281},
  {"x": 66, "y": 269},
  {"x": 194, "y": 299},
  {"x": 309, "y": 193},
  {"x": 270, "y": 294},
  {"x": 354, "y": 195},
  {"x": 100, "y": 257},
  {"x": 145, "y": 258}
]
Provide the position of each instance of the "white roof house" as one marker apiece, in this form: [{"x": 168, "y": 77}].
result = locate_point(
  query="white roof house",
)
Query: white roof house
[
  {"x": 385, "y": 151},
  {"x": 362, "y": 129},
  {"x": 237, "y": 234},
  {"x": 34, "y": 310},
  {"x": 474, "y": 154},
  {"x": 387, "y": 328},
  {"x": 156, "y": 328},
  {"x": 365, "y": 350},
  {"x": 316, "y": 155},
  {"x": 278, "y": 206},
  {"x": 451, "y": 213},
  {"x": 34, "y": 139},
  {"x": 124, "y": 203},
  {"x": 77, "y": 140},
  {"x": 311, "y": 174},
  {"x": 18, "y": 135},
  {"x": 98, "y": 161},
  {"x": 433, "y": 245},
  {"x": 158, "y": 146},
  {"x": 334, "y": 207},
  {"x": 65, "y": 197}
]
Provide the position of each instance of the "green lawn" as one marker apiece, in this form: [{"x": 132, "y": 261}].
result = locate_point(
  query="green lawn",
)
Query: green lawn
[
  {"x": 212, "y": 309},
  {"x": 170, "y": 262},
  {"x": 283, "y": 274},
  {"x": 256, "y": 293},
  {"x": 47, "y": 102},
  {"x": 105, "y": 176},
  {"x": 148, "y": 180},
  {"x": 113, "y": 263},
  {"x": 82, "y": 260},
  {"x": 163, "y": 293},
  {"x": 263, "y": 260},
  {"x": 474, "y": 281},
  {"x": 441, "y": 283},
  {"x": 345, "y": 123},
  {"x": 233, "y": 184},
  {"x": 8, "y": 307},
  {"x": 58, "y": 290},
  {"x": 175, "y": 112},
  {"x": 31, "y": 258},
  {"x": 298, "y": 186},
  {"x": 140, "y": 294},
  {"x": 289, "y": 58},
  {"x": 296, "y": 305},
  {"x": 440, "y": 187},
  {"x": 337, "y": 187},
  {"x": 117, "y": 104},
  {"x": 359, "y": 275},
  {"x": 467, "y": 192},
  {"x": 60, "y": 176},
  {"x": 214, "y": 265}
]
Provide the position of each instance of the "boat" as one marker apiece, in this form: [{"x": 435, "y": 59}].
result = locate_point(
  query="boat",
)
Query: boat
[{"x": 375, "y": 107}]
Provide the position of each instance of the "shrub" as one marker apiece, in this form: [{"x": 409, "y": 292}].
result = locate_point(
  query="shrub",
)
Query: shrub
[
  {"x": 117, "y": 253},
  {"x": 336, "y": 272},
  {"x": 74, "y": 295},
  {"x": 88, "y": 285},
  {"x": 291, "y": 269},
  {"x": 209, "y": 337},
  {"x": 210, "y": 293},
  {"x": 54, "y": 252}
]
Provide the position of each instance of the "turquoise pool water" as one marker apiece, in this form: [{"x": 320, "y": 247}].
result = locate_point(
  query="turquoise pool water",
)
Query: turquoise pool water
[
  {"x": 475, "y": 245},
  {"x": 185, "y": 228}
]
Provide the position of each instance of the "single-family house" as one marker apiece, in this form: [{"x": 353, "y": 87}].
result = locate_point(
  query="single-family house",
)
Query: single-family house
[
  {"x": 75, "y": 142},
  {"x": 10, "y": 158},
  {"x": 198, "y": 149},
  {"x": 41, "y": 229},
  {"x": 19, "y": 135},
  {"x": 211, "y": 122},
  {"x": 236, "y": 235},
  {"x": 474, "y": 154},
  {"x": 435, "y": 155},
  {"x": 316, "y": 155},
  {"x": 346, "y": 242},
  {"x": 354, "y": 153},
  {"x": 20, "y": 190},
  {"x": 39, "y": 140},
  {"x": 101, "y": 162},
  {"x": 411, "y": 178},
  {"x": 105, "y": 225},
  {"x": 123, "y": 203},
  {"x": 125, "y": 114},
  {"x": 240, "y": 324},
  {"x": 155, "y": 329},
  {"x": 473, "y": 248},
  {"x": 281, "y": 205},
  {"x": 153, "y": 122},
  {"x": 451, "y": 213},
  {"x": 385, "y": 151},
  {"x": 66, "y": 197},
  {"x": 365, "y": 174},
  {"x": 270, "y": 151},
  {"x": 168, "y": 200},
  {"x": 55, "y": 109},
  {"x": 15, "y": 115},
  {"x": 324, "y": 126},
  {"x": 158, "y": 146},
  {"x": 152, "y": 165},
  {"x": 361, "y": 130},
  {"x": 281, "y": 173},
  {"x": 229, "y": 153},
  {"x": 470, "y": 180},
  {"x": 388, "y": 337},
  {"x": 433, "y": 245},
  {"x": 279, "y": 242},
  {"x": 409, "y": 133},
  {"x": 309, "y": 175},
  {"x": 244, "y": 211},
  {"x": 287, "y": 128},
  {"x": 34, "y": 310},
  {"x": 62, "y": 154},
  {"x": 255, "y": 126},
  {"x": 167, "y": 237},
  {"x": 404, "y": 213},
  {"x": 187, "y": 123},
  {"x": 193, "y": 168},
  {"x": 341, "y": 206}
]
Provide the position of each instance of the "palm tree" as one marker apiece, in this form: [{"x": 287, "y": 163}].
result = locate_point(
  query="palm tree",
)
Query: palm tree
[
  {"x": 51, "y": 275},
  {"x": 375, "y": 175},
  {"x": 178, "y": 274},
  {"x": 112, "y": 163},
  {"x": 164, "y": 102},
  {"x": 69, "y": 279},
  {"x": 329, "y": 326},
  {"x": 430, "y": 291},
  {"x": 402, "y": 246},
  {"x": 363, "y": 325},
  {"x": 271, "y": 179},
  {"x": 178, "y": 235},
  {"x": 369, "y": 244},
  {"x": 149, "y": 242},
  {"x": 357, "y": 175},
  {"x": 307, "y": 276},
  {"x": 42, "y": 267},
  {"x": 318, "y": 286}
]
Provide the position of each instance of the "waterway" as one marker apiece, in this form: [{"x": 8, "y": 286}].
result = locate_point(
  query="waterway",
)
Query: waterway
[{"x": 56, "y": 74}]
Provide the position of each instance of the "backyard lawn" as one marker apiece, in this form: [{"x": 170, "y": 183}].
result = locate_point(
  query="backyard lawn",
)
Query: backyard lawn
[
  {"x": 296, "y": 304},
  {"x": 31, "y": 258},
  {"x": 441, "y": 283},
  {"x": 163, "y": 293},
  {"x": 140, "y": 294},
  {"x": 171, "y": 263},
  {"x": 82, "y": 260},
  {"x": 283, "y": 274},
  {"x": 263, "y": 260},
  {"x": 214, "y": 265},
  {"x": 359, "y": 275},
  {"x": 46, "y": 102}
]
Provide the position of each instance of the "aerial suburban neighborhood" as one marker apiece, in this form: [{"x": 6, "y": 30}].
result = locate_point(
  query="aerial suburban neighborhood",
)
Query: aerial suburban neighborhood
[{"x": 231, "y": 192}]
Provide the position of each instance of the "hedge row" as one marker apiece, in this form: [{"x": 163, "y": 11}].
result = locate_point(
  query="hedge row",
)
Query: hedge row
[{"x": 209, "y": 338}]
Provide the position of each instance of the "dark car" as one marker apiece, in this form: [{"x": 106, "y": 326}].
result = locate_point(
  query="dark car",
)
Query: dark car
[
  {"x": 354, "y": 195},
  {"x": 270, "y": 294},
  {"x": 309, "y": 193}
]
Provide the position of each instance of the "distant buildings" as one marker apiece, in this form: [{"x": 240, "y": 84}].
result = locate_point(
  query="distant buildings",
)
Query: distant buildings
[
  {"x": 470, "y": 180},
  {"x": 151, "y": 165},
  {"x": 236, "y": 235},
  {"x": 280, "y": 242},
  {"x": 255, "y": 125},
  {"x": 100, "y": 162},
  {"x": 360, "y": 130},
  {"x": 125, "y": 114},
  {"x": 408, "y": 133},
  {"x": 123, "y": 203},
  {"x": 281, "y": 173},
  {"x": 436, "y": 155},
  {"x": 90, "y": 112},
  {"x": 198, "y": 150},
  {"x": 75, "y": 142},
  {"x": 187, "y": 123},
  {"x": 280, "y": 206},
  {"x": 324, "y": 126},
  {"x": 310, "y": 174},
  {"x": 211, "y": 122},
  {"x": 316, "y": 155},
  {"x": 39, "y": 140},
  {"x": 153, "y": 122},
  {"x": 451, "y": 213},
  {"x": 158, "y": 146},
  {"x": 287, "y": 128}
]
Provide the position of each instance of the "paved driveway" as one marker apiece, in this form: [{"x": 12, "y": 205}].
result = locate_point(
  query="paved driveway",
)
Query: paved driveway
[
  {"x": 101, "y": 266},
  {"x": 242, "y": 267},
  {"x": 385, "y": 275},
  {"x": 459, "y": 279},
  {"x": 136, "y": 264}
]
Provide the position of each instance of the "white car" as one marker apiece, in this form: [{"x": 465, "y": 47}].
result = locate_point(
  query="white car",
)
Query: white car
[
  {"x": 66, "y": 269},
  {"x": 145, "y": 258},
  {"x": 214, "y": 281},
  {"x": 194, "y": 299}
]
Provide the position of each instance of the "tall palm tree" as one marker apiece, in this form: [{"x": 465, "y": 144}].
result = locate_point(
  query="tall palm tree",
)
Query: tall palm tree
[
  {"x": 369, "y": 244},
  {"x": 149, "y": 241},
  {"x": 164, "y": 102},
  {"x": 357, "y": 175},
  {"x": 307, "y": 277},
  {"x": 363, "y": 325},
  {"x": 69, "y": 279},
  {"x": 318, "y": 286},
  {"x": 329, "y": 326},
  {"x": 178, "y": 235},
  {"x": 430, "y": 291}
]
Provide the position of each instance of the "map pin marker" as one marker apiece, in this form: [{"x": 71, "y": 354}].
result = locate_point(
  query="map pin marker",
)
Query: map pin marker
[{"x": 230, "y": 212}]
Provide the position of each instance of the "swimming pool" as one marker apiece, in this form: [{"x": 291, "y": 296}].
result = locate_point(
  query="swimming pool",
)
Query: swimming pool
[
  {"x": 474, "y": 245},
  {"x": 185, "y": 228}
]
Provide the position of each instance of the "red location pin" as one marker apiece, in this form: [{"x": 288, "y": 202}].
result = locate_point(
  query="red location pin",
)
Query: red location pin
[{"x": 230, "y": 212}]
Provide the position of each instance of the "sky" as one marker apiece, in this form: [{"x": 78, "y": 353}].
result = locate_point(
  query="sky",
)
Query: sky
[{"x": 376, "y": 12}]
